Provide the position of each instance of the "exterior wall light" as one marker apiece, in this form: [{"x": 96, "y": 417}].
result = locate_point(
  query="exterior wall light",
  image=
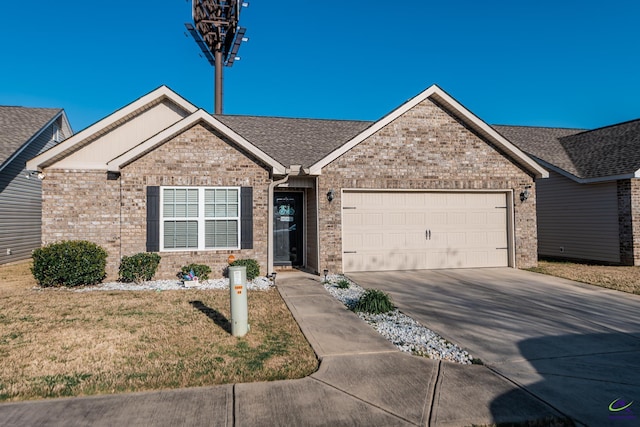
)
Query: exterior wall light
[
  {"x": 525, "y": 194},
  {"x": 330, "y": 195}
]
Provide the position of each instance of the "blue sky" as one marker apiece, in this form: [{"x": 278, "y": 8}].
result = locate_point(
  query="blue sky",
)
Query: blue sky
[{"x": 559, "y": 63}]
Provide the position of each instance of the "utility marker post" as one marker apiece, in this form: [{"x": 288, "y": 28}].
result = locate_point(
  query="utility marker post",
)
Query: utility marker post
[{"x": 238, "y": 293}]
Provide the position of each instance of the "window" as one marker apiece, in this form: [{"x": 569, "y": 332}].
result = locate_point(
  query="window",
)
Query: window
[
  {"x": 200, "y": 218},
  {"x": 56, "y": 134}
]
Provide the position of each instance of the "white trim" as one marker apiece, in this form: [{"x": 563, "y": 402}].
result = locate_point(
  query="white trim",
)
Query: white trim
[
  {"x": 103, "y": 126},
  {"x": 141, "y": 149},
  {"x": 457, "y": 109},
  {"x": 201, "y": 219},
  {"x": 511, "y": 227}
]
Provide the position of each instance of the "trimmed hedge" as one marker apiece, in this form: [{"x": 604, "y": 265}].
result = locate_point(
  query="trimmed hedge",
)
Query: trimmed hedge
[
  {"x": 69, "y": 263},
  {"x": 253, "y": 268},
  {"x": 139, "y": 267}
]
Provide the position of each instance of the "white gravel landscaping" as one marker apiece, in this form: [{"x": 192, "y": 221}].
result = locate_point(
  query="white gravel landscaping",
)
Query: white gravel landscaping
[
  {"x": 257, "y": 284},
  {"x": 404, "y": 332}
]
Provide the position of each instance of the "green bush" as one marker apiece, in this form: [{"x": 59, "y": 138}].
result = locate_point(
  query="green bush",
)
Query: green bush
[
  {"x": 200, "y": 270},
  {"x": 139, "y": 267},
  {"x": 69, "y": 263},
  {"x": 342, "y": 284},
  {"x": 253, "y": 268},
  {"x": 374, "y": 301}
]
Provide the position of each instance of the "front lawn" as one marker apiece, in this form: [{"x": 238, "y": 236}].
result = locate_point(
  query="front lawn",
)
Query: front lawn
[
  {"x": 625, "y": 279},
  {"x": 57, "y": 342}
]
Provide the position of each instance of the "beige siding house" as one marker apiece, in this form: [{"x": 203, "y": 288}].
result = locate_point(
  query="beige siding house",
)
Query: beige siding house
[
  {"x": 589, "y": 208},
  {"x": 429, "y": 185}
]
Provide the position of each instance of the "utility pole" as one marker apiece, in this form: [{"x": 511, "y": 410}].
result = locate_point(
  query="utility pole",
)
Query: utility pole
[{"x": 217, "y": 32}]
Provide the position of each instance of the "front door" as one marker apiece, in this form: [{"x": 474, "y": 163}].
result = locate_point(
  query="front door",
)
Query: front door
[{"x": 287, "y": 229}]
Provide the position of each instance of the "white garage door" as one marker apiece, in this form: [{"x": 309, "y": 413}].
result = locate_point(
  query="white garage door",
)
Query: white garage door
[{"x": 414, "y": 231}]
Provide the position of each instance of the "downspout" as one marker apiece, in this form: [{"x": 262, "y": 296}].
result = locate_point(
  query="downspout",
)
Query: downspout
[{"x": 272, "y": 185}]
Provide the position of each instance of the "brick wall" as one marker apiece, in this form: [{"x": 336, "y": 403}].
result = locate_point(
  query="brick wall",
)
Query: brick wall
[
  {"x": 112, "y": 213},
  {"x": 629, "y": 221},
  {"x": 425, "y": 148},
  {"x": 82, "y": 205},
  {"x": 635, "y": 211}
]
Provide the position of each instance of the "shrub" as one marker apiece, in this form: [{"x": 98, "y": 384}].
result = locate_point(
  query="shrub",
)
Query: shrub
[
  {"x": 139, "y": 267},
  {"x": 200, "y": 270},
  {"x": 253, "y": 268},
  {"x": 374, "y": 301},
  {"x": 342, "y": 284},
  {"x": 69, "y": 263}
]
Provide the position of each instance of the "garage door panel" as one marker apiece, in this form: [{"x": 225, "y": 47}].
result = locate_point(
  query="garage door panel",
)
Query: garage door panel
[
  {"x": 395, "y": 219},
  {"x": 422, "y": 230},
  {"x": 395, "y": 241},
  {"x": 373, "y": 219}
]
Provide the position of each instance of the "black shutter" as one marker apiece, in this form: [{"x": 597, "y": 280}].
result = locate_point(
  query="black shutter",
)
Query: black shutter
[
  {"x": 153, "y": 219},
  {"x": 246, "y": 218}
]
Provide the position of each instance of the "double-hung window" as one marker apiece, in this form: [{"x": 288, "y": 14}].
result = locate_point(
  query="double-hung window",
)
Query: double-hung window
[{"x": 200, "y": 218}]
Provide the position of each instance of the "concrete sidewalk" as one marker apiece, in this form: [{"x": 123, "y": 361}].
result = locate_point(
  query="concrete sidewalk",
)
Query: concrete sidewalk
[{"x": 362, "y": 380}]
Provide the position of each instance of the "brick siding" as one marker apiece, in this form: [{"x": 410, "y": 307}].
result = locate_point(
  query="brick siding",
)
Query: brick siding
[
  {"x": 629, "y": 221},
  {"x": 112, "y": 213},
  {"x": 428, "y": 149}
]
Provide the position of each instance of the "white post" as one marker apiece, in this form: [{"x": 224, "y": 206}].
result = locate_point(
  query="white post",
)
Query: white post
[{"x": 239, "y": 310}]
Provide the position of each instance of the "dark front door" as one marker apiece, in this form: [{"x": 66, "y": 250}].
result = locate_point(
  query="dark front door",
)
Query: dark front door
[{"x": 287, "y": 229}]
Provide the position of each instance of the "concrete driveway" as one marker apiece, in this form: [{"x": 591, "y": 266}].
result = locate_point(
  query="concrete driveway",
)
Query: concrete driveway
[{"x": 574, "y": 346}]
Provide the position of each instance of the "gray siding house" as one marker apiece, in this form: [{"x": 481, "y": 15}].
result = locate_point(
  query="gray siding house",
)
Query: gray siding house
[
  {"x": 589, "y": 208},
  {"x": 24, "y": 133}
]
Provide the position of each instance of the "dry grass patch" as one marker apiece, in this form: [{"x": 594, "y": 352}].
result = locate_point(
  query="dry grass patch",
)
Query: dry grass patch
[
  {"x": 57, "y": 342},
  {"x": 625, "y": 279}
]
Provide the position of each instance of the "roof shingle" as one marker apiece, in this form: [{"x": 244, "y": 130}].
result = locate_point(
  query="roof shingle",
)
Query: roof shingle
[
  {"x": 587, "y": 154},
  {"x": 294, "y": 141},
  {"x": 18, "y": 125}
]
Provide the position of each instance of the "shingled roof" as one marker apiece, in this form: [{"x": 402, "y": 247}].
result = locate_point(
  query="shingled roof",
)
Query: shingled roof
[
  {"x": 294, "y": 141},
  {"x": 18, "y": 125},
  {"x": 542, "y": 142},
  {"x": 586, "y": 154}
]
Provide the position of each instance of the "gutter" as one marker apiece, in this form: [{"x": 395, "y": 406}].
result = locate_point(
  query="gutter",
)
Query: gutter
[{"x": 272, "y": 186}]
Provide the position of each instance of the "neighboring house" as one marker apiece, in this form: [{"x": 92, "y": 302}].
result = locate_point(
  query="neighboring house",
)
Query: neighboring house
[
  {"x": 24, "y": 133},
  {"x": 429, "y": 185},
  {"x": 589, "y": 208}
]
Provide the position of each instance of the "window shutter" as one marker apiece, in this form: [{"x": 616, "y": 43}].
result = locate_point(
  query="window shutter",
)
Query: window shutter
[
  {"x": 246, "y": 217},
  {"x": 153, "y": 219}
]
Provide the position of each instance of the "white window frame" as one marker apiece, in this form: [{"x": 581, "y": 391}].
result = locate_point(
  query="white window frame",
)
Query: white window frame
[
  {"x": 56, "y": 137},
  {"x": 200, "y": 219}
]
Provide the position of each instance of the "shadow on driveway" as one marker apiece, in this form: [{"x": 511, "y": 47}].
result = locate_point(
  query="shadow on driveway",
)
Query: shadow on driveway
[{"x": 598, "y": 389}]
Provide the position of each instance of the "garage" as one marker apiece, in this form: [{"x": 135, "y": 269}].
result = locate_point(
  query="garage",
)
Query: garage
[{"x": 411, "y": 230}]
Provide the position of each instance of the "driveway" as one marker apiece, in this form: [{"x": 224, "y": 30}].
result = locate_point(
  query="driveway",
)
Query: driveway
[{"x": 574, "y": 346}]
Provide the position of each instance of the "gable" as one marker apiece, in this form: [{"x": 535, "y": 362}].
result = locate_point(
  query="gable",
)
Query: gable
[
  {"x": 124, "y": 137},
  {"x": 19, "y": 125},
  {"x": 425, "y": 142},
  {"x": 96, "y": 145},
  {"x": 449, "y": 105}
]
